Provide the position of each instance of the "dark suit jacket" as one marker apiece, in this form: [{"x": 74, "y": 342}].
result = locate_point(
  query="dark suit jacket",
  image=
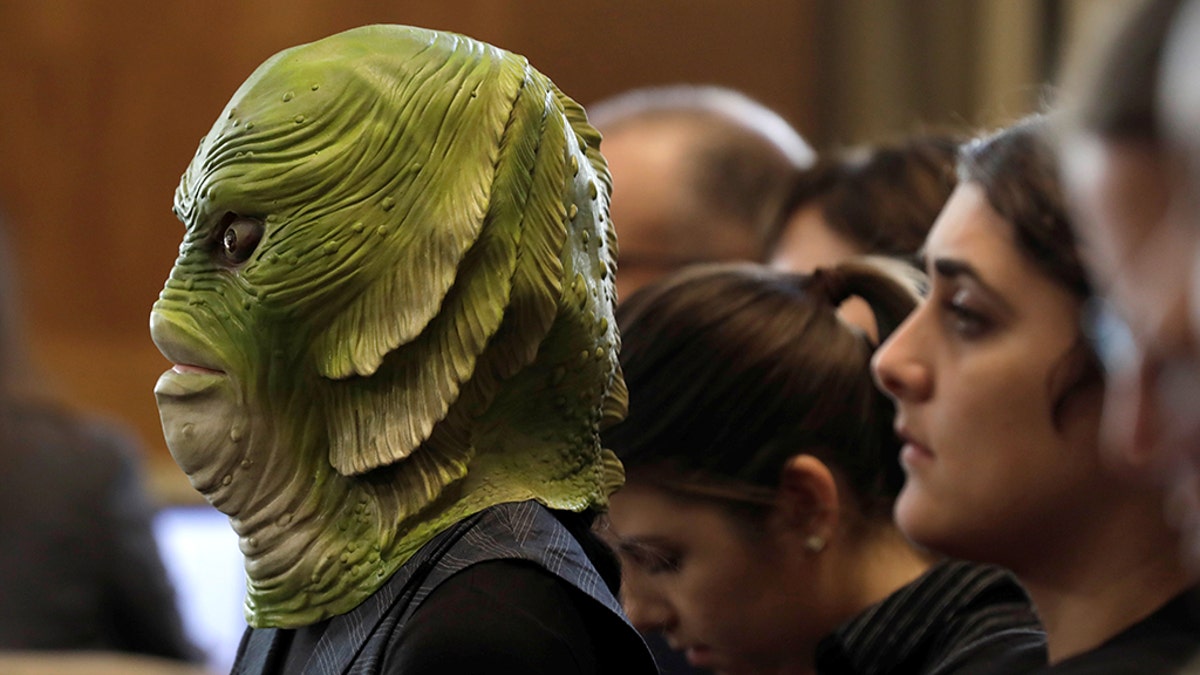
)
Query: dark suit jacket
[{"x": 359, "y": 642}]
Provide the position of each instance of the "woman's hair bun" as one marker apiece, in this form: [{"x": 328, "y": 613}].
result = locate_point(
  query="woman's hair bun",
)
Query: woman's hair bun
[{"x": 831, "y": 284}]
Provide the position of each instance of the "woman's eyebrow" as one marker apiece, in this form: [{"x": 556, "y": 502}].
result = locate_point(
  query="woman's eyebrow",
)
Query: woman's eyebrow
[
  {"x": 642, "y": 541},
  {"x": 953, "y": 268}
]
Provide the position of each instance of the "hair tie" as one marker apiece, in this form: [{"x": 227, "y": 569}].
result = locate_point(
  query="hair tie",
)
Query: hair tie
[{"x": 830, "y": 283}]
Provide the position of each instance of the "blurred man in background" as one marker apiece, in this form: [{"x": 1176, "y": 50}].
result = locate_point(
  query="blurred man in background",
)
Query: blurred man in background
[{"x": 699, "y": 175}]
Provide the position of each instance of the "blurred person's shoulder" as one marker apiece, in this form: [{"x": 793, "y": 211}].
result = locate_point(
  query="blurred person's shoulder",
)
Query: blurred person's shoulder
[{"x": 47, "y": 436}]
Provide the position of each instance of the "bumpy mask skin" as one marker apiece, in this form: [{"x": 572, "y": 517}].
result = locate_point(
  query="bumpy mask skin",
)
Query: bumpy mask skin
[{"x": 392, "y": 308}]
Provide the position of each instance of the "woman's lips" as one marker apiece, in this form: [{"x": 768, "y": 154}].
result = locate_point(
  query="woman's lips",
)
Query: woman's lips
[
  {"x": 699, "y": 656},
  {"x": 914, "y": 453}
]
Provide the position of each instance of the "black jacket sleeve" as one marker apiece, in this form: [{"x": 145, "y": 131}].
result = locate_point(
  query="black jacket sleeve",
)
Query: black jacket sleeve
[{"x": 498, "y": 617}]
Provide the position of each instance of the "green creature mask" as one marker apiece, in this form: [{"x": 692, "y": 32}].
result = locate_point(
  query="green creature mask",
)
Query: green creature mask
[{"x": 392, "y": 308}]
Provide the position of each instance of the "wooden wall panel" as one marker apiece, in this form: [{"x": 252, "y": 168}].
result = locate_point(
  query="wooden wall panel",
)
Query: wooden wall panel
[{"x": 103, "y": 104}]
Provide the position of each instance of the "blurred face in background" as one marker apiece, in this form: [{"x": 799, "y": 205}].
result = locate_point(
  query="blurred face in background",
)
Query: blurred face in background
[
  {"x": 1178, "y": 108},
  {"x": 1141, "y": 251},
  {"x": 808, "y": 242},
  {"x": 653, "y": 207}
]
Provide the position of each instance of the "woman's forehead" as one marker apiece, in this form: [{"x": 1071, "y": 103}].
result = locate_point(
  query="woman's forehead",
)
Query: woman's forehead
[{"x": 969, "y": 228}]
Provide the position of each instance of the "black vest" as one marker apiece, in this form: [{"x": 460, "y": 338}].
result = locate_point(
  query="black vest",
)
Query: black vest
[{"x": 356, "y": 643}]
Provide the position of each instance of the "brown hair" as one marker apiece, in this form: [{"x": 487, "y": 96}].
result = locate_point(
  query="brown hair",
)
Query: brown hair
[
  {"x": 1018, "y": 170},
  {"x": 733, "y": 369},
  {"x": 884, "y": 198}
]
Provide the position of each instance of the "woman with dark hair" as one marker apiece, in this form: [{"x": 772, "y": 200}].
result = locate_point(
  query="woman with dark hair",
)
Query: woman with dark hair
[
  {"x": 998, "y": 396},
  {"x": 755, "y": 526}
]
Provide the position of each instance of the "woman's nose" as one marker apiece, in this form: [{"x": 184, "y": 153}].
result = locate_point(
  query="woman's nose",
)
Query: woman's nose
[
  {"x": 647, "y": 610},
  {"x": 899, "y": 369}
]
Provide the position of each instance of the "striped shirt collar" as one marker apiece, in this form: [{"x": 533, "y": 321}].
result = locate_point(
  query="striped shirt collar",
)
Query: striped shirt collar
[{"x": 953, "y": 613}]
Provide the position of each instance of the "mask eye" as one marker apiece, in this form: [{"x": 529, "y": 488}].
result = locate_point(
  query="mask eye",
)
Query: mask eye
[{"x": 239, "y": 236}]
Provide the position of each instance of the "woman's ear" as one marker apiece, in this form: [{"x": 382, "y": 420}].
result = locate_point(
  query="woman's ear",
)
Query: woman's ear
[{"x": 808, "y": 500}]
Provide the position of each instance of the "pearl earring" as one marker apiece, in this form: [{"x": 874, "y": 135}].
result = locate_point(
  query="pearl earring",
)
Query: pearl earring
[{"x": 815, "y": 543}]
